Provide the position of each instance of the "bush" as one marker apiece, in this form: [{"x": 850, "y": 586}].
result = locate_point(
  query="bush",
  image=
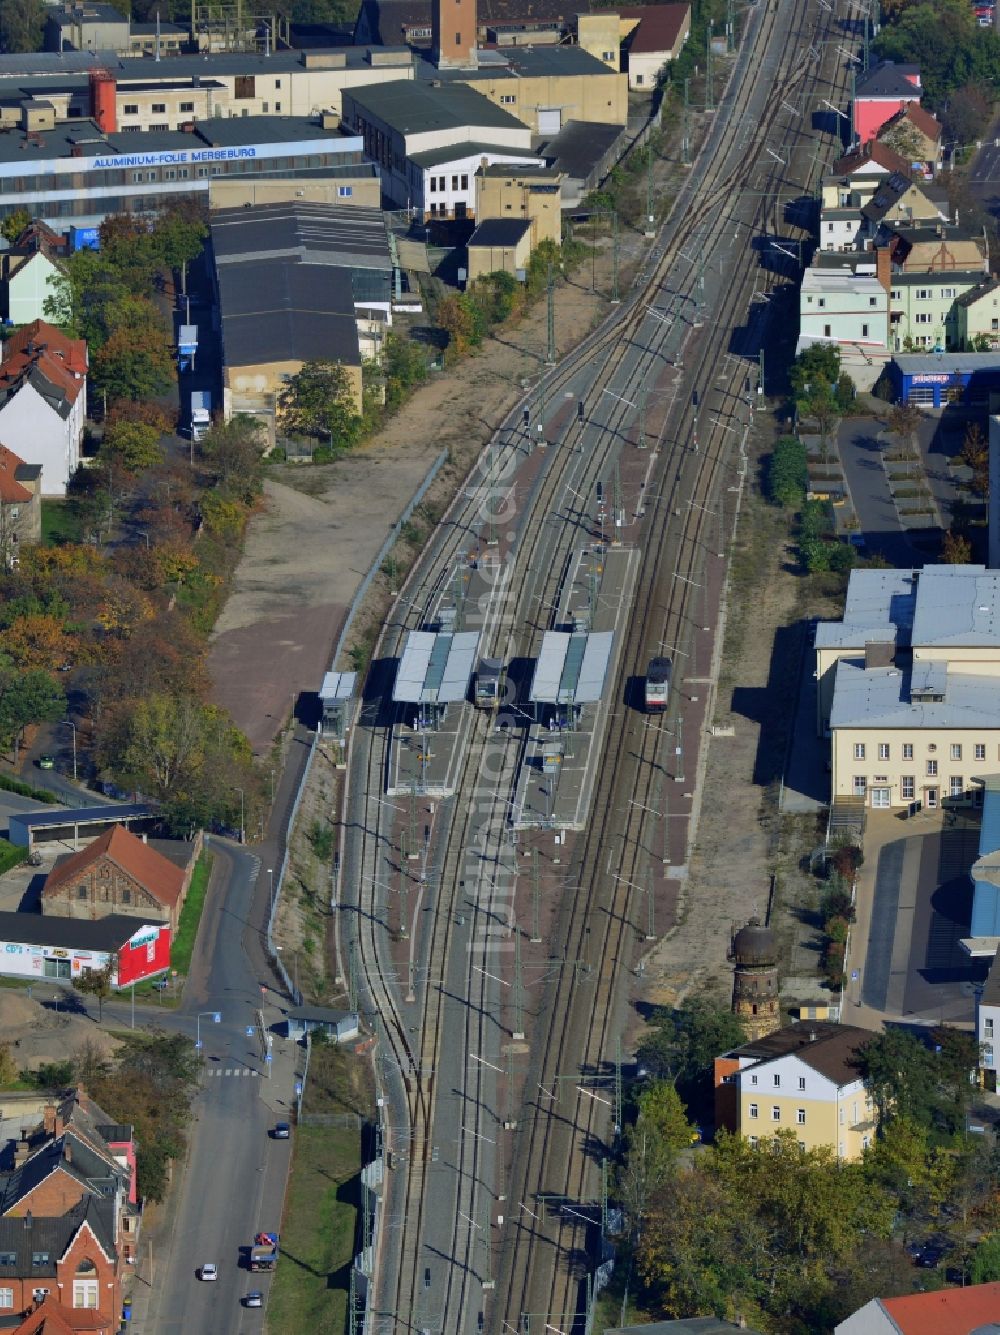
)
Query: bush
[
  {"x": 321, "y": 838},
  {"x": 788, "y": 473}
]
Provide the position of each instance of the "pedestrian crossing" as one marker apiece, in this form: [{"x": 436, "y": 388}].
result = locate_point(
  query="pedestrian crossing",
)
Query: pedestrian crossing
[{"x": 232, "y": 1070}]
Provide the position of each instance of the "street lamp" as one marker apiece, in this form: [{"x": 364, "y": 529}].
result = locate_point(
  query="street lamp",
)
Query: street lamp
[
  {"x": 295, "y": 968},
  {"x": 68, "y": 723},
  {"x": 243, "y": 831},
  {"x": 270, "y": 874},
  {"x": 216, "y": 1019}
]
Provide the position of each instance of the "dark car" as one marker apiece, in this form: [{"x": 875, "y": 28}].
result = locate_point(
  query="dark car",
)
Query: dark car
[
  {"x": 46, "y": 762},
  {"x": 282, "y": 1131}
]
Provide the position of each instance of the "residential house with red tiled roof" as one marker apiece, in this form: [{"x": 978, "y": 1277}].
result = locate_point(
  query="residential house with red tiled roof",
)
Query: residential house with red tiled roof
[
  {"x": 43, "y": 401},
  {"x": 655, "y": 35},
  {"x": 51, "y": 1317},
  {"x": 916, "y": 135},
  {"x": 117, "y": 873},
  {"x": 941, "y": 1312},
  {"x": 20, "y": 507}
]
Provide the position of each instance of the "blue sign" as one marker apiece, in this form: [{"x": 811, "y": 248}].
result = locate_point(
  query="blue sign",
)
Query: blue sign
[
  {"x": 854, "y": 975},
  {"x": 84, "y": 238},
  {"x": 249, "y": 1031},
  {"x": 199, "y": 1044},
  {"x": 298, "y": 1086},
  {"x": 217, "y": 1017},
  {"x": 269, "y": 1058}
]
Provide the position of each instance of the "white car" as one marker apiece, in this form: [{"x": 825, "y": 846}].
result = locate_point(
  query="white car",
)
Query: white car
[
  {"x": 254, "y": 1298},
  {"x": 209, "y": 1271}
]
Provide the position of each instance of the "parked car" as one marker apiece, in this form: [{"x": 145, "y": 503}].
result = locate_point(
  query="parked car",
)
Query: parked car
[
  {"x": 254, "y": 1299},
  {"x": 208, "y": 1271},
  {"x": 282, "y": 1131}
]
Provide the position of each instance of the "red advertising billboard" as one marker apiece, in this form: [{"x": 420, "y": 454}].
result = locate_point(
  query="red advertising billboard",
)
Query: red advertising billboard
[{"x": 144, "y": 954}]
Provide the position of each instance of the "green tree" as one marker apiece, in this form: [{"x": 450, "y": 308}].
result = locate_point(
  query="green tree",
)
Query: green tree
[
  {"x": 404, "y": 365},
  {"x": 903, "y": 138},
  {"x": 97, "y": 983},
  {"x": 928, "y": 1086},
  {"x": 956, "y": 549},
  {"x": 319, "y": 401},
  {"x": 179, "y": 236},
  {"x": 683, "y": 1044},
  {"x": 30, "y": 696},
  {"x": 820, "y": 361},
  {"x": 22, "y": 23},
  {"x": 134, "y": 445},
  {"x": 788, "y": 473},
  {"x": 134, "y": 360},
  {"x": 14, "y": 224},
  {"x": 234, "y": 451},
  {"x": 986, "y": 1260}
]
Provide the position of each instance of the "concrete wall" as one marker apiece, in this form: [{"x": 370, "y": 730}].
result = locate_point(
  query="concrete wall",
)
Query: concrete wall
[
  {"x": 600, "y": 37},
  {"x": 513, "y": 197},
  {"x": 452, "y": 184},
  {"x": 366, "y": 191},
  {"x": 602, "y": 98},
  {"x": 261, "y": 384},
  {"x": 930, "y": 746},
  {"x": 493, "y": 259}
]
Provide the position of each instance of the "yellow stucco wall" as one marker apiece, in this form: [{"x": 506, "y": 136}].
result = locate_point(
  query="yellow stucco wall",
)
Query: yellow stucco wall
[
  {"x": 840, "y": 1124},
  {"x": 601, "y": 98}
]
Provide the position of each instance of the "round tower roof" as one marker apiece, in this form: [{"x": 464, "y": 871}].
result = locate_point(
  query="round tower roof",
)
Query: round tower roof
[{"x": 755, "y": 944}]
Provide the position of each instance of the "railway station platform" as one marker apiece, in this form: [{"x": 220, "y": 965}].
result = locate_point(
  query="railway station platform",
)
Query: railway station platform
[{"x": 569, "y": 691}]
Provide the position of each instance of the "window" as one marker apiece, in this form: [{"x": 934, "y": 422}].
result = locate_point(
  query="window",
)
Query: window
[
  {"x": 829, "y": 227},
  {"x": 821, "y": 302},
  {"x": 907, "y": 750},
  {"x": 245, "y": 86},
  {"x": 753, "y": 1080},
  {"x": 753, "y": 1110},
  {"x": 39, "y": 1295},
  {"x": 896, "y": 295},
  {"x": 454, "y": 183},
  {"x": 136, "y": 177},
  {"x": 988, "y": 1027},
  {"x": 932, "y": 769},
  {"x": 752, "y": 1139},
  {"x": 85, "y": 1293},
  {"x": 126, "y": 896},
  {"x": 883, "y": 750},
  {"x": 187, "y": 106},
  {"x": 881, "y": 798},
  {"x": 859, "y": 750},
  {"x": 800, "y": 1116},
  {"x": 949, "y": 292},
  {"x": 158, "y": 108},
  {"x": 777, "y": 1081},
  {"x": 39, "y": 1258},
  {"x": 607, "y": 56},
  {"x": 277, "y": 106},
  {"x": 860, "y": 785},
  {"x": 434, "y": 185},
  {"x": 265, "y": 108},
  {"x": 827, "y": 331},
  {"x": 6, "y": 1297},
  {"x": 987, "y": 1054},
  {"x": 507, "y": 99},
  {"x": 802, "y": 1082},
  {"x": 923, "y": 294},
  {"x": 979, "y": 750},
  {"x": 465, "y": 182},
  {"x": 922, "y": 317},
  {"x": 345, "y": 191},
  {"x": 775, "y": 1113},
  {"x": 10, "y": 1258},
  {"x": 957, "y": 786},
  {"x": 907, "y": 789},
  {"x": 872, "y": 301},
  {"x": 956, "y": 751},
  {"x": 864, "y": 331},
  {"x": 458, "y": 39},
  {"x": 841, "y": 1117},
  {"x": 81, "y": 892},
  {"x": 277, "y": 83},
  {"x": 130, "y": 109}
]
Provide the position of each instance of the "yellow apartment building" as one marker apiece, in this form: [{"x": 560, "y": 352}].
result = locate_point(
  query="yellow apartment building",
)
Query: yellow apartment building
[
  {"x": 802, "y": 1078},
  {"x": 909, "y": 686}
]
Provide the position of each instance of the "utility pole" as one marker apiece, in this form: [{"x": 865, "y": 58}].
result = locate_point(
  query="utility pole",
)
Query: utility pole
[
  {"x": 709, "y": 105},
  {"x": 352, "y": 978},
  {"x": 618, "y": 1087},
  {"x": 618, "y": 509},
  {"x": 730, "y": 27},
  {"x": 488, "y": 1281},
  {"x": 686, "y": 138},
  {"x": 404, "y": 924},
  {"x": 761, "y": 382},
  {"x": 551, "y": 358},
  {"x": 614, "y": 258},
  {"x": 604, "y": 1198},
  {"x": 536, "y": 926},
  {"x": 511, "y": 1123},
  {"x": 650, "y": 229},
  {"x": 650, "y": 922}
]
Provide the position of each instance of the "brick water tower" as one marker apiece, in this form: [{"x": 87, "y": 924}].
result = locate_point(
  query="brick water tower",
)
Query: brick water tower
[
  {"x": 754, "y": 952},
  {"x": 454, "y": 34}
]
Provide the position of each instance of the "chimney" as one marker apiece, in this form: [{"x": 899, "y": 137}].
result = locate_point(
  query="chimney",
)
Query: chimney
[
  {"x": 21, "y": 1151},
  {"x": 68, "y": 1151},
  {"x": 49, "y": 1119},
  {"x": 27, "y": 1220},
  {"x": 883, "y": 267}
]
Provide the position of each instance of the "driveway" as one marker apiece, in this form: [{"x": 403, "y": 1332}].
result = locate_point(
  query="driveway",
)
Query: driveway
[{"x": 858, "y": 443}]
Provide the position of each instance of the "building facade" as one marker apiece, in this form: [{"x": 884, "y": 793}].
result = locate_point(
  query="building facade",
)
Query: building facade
[
  {"x": 20, "y": 507},
  {"x": 118, "y": 874},
  {"x": 28, "y": 282},
  {"x": 443, "y": 181},
  {"x": 908, "y": 686},
  {"x": 43, "y": 401},
  {"x": 535, "y": 193},
  {"x": 879, "y": 94},
  {"x": 802, "y": 1079}
]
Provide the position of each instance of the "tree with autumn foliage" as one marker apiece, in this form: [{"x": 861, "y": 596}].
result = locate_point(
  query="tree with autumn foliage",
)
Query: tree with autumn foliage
[
  {"x": 956, "y": 549},
  {"x": 976, "y": 456},
  {"x": 135, "y": 360}
]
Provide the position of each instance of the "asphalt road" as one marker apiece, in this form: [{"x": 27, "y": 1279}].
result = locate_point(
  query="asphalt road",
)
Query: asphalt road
[{"x": 861, "y": 457}]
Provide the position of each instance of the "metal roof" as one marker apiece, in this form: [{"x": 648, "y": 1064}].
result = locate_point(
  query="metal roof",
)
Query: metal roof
[
  {"x": 435, "y": 668},
  {"x": 571, "y": 667},
  {"x": 523, "y": 159},
  {"x": 409, "y": 107},
  {"x": 500, "y": 232},
  {"x": 954, "y": 363},
  {"x": 44, "y": 929},
  {"x": 869, "y": 697},
  {"x": 338, "y": 685},
  {"x": 957, "y": 605},
  {"x": 85, "y": 815},
  {"x": 880, "y": 605}
]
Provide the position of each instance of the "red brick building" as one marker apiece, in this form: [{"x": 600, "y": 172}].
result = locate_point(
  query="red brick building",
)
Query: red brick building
[{"x": 117, "y": 873}]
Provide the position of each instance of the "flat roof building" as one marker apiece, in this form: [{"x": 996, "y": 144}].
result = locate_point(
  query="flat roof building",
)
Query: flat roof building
[{"x": 435, "y": 670}]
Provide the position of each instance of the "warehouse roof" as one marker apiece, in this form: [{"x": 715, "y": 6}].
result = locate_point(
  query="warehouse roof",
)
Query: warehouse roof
[
  {"x": 344, "y": 236},
  {"x": 579, "y": 147},
  {"x": 48, "y": 64},
  {"x": 659, "y": 26},
  {"x": 417, "y": 108},
  {"x": 281, "y": 311},
  {"x": 436, "y": 157},
  {"x": 44, "y": 929}
]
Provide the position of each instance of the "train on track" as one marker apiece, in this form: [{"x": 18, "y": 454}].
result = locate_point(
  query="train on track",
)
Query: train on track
[
  {"x": 488, "y": 689},
  {"x": 657, "y": 688}
]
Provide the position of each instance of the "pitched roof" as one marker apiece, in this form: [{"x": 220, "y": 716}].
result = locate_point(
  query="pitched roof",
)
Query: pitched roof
[
  {"x": 52, "y": 1318},
  {"x": 945, "y": 1312},
  {"x": 42, "y": 336},
  {"x": 54, "y": 1235},
  {"x": 919, "y": 118},
  {"x": 11, "y": 491},
  {"x": 659, "y": 26},
  {"x": 977, "y": 293},
  {"x": 874, "y": 151},
  {"x": 152, "y": 870},
  {"x": 830, "y": 1049},
  {"x": 500, "y": 232},
  {"x": 889, "y": 80}
]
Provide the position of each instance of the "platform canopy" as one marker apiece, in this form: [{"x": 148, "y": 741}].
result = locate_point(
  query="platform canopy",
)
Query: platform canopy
[
  {"x": 435, "y": 668},
  {"x": 337, "y": 686},
  {"x": 571, "y": 667}
]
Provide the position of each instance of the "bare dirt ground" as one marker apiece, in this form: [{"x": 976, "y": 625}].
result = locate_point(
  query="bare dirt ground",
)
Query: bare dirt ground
[
  {"x": 741, "y": 839},
  {"x": 38, "y": 1033}
]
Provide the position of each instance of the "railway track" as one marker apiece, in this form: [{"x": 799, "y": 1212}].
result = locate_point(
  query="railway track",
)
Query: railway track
[{"x": 410, "y": 998}]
